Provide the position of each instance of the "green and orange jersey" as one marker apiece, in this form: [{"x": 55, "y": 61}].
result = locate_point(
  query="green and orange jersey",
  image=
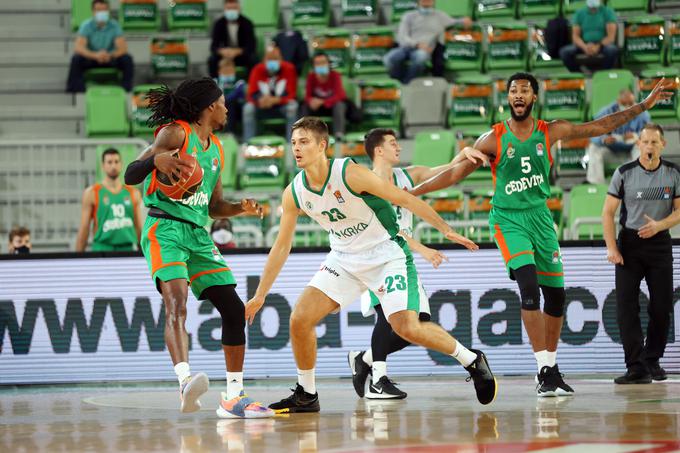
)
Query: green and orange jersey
[
  {"x": 521, "y": 169},
  {"x": 195, "y": 208},
  {"x": 114, "y": 215}
]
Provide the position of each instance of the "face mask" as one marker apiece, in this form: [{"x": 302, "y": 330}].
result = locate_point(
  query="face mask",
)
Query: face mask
[
  {"x": 226, "y": 79},
  {"x": 425, "y": 10},
  {"x": 322, "y": 70},
  {"x": 273, "y": 65},
  {"x": 23, "y": 250},
  {"x": 101, "y": 16},
  {"x": 222, "y": 236},
  {"x": 231, "y": 14},
  {"x": 593, "y": 3}
]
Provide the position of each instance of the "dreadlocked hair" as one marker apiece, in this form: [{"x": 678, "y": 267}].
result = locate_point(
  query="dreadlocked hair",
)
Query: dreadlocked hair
[{"x": 184, "y": 103}]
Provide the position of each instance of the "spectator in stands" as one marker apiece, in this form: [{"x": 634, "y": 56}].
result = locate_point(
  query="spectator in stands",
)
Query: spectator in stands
[
  {"x": 233, "y": 37},
  {"x": 325, "y": 95},
  {"x": 234, "y": 90},
  {"x": 272, "y": 88},
  {"x": 293, "y": 47},
  {"x": 618, "y": 146},
  {"x": 19, "y": 241},
  {"x": 593, "y": 33},
  {"x": 222, "y": 234},
  {"x": 100, "y": 43},
  {"x": 419, "y": 39}
]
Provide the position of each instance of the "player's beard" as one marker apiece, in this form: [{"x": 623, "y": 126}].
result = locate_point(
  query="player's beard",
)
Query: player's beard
[
  {"x": 114, "y": 174},
  {"x": 527, "y": 111}
]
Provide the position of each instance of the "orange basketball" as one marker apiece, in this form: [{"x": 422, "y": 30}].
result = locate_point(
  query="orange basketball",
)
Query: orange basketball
[{"x": 186, "y": 186}]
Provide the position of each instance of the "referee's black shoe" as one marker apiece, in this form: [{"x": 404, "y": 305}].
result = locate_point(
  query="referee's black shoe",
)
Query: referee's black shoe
[
  {"x": 658, "y": 373},
  {"x": 634, "y": 377},
  {"x": 360, "y": 371},
  {"x": 299, "y": 401},
  {"x": 484, "y": 380}
]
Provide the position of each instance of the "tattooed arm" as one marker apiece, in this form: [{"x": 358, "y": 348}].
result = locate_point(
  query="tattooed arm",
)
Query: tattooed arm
[{"x": 561, "y": 129}]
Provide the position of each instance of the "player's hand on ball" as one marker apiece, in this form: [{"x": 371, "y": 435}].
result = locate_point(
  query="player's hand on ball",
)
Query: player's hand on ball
[
  {"x": 174, "y": 167},
  {"x": 252, "y": 307},
  {"x": 435, "y": 257},
  {"x": 658, "y": 93},
  {"x": 455, "y": 237},
  {"x": 251, "y": 206}
]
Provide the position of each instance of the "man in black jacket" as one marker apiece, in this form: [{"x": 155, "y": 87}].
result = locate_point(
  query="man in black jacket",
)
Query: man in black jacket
[{"x": 233, "y": 37}]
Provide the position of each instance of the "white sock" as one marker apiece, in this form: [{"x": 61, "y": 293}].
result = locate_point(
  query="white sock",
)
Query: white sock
[
  {"x": 234, "y": 384},
  {"x": 551, "y": 357},
  {"x": 306, "y": 380},
  {"x": 463, "y": 355},
  {"x": 367, "y": 357},
  {"x": 182, "y": 371},
  {"x": 541, "y": 359},
  {"x": 379, "y": 370}
]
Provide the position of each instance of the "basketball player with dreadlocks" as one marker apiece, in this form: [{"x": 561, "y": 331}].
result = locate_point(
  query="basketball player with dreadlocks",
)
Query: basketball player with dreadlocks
[{"x": 176, "y": 245}]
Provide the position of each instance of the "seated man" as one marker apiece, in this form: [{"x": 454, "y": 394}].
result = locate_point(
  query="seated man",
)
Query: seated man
[
  {"x": 325, "y": 95},
  {"x": 619, "y": 146},
  {"x": 233, "y": 37},
  {"x": 272, "y": 87},
  {"x": 234, "y": 89},
  {"x": 593, "y": 33},
  {"x": 419, "y": 38},
  {"x": 100, "y": 43}
]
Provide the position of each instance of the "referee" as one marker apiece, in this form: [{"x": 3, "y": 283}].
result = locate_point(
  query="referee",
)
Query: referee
[{"x": 648, "y": 190}]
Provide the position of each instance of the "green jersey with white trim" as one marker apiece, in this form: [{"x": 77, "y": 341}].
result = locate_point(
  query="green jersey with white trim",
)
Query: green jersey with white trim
[{"x": 355, "y": 222}]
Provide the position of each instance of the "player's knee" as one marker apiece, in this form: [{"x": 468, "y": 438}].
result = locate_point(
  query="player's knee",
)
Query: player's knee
[
  {"x": 404, "y": 327},
  {"x": 299, "y": 321},
  {"x": 554, "y": 301},
  {"x": 527, "y": 281},
  {"x": 234, "y": 331},
  {"x": 175, "y": 313}
]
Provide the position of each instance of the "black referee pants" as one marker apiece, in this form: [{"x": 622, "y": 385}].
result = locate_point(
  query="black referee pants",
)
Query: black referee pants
[{"x": 651, "y": 259}]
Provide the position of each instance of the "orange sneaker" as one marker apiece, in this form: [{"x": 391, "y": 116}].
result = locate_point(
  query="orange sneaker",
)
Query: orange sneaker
[{"x": 242, "y": 407}]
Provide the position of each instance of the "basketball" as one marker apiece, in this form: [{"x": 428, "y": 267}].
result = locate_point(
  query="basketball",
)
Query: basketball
[{"x": 185, "y": 187}]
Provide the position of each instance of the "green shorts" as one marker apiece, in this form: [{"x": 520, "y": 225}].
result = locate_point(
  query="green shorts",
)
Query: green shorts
[
  {"x": 179, "y": 250},
  {"x": 528, "y": 237},
  {"x": 101, "y": 247}
]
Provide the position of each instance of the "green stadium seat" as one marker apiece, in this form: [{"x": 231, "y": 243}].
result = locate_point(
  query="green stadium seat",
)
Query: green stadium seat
[
  {"x": 265, "y": 164},
  {"x": 380, "y": 103},
  {"x": 106, "y": 112},
  {"x": 500, "y": 101},
  {"x": 252, "y": 220},
  {"x": 188, "y": 15},
  {"x": 586, "y": 201},
  {"x": 230, "y": 170},
  {"x": 564, "y": 97},
  {"x": 673, "y": 53},
  {"x": 312, "y": 236},
  {"x": 625, "y": 6},
  {"x": 128, "y": 154},
  {"x": 539, "y": 9},
  {"x": 471, "y": 101},
  {"x": 644, "y": 41},
  {"x": 263, "y": 13},
  {"x": 467, "y": 136},
  {"x": 141, "y": 15},
  {"x": 170, "y": 56},
  {"x": 401, "y": 7},
  {"x": 540, "y": 60},
  {"x": 370, "y": 46},
  {"x": 495, "y": 9},
  {"x": 433, "y": 148},
  {"x": 456, "y": 8},
  {"x": 353, "y": 146},
  {"x": 665, "y": 111},
  {"x": 81, "y": 10},
  {"x": 449, "y": 204},
  {"x": 102, "y": 76},
  {"x": 140, "y": 111},
  {"x": 335, "y": 42},
  {"x": 359, "y": 10},
  {"x": 479, "y": 206},
  {"x": 569, "y": 7},
  {"x": 568, "y": 155},
  {"x": 311, "y": 13},
  {"x": 606, "y": 86},
  {"x": 508, "y": 48},
  {"x": 463, "y": 51}
]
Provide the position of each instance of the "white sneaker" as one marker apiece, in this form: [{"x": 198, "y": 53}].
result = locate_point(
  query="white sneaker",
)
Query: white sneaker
[{"x": 191, "y": 390}]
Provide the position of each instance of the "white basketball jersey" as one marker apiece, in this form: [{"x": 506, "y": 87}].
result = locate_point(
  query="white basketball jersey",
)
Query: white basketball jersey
[
  {"x": 355, "y": 222},
  {"x": 404, "y": 217}
]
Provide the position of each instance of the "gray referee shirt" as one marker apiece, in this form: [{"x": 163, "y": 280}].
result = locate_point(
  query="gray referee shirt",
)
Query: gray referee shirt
[{"x": 645, "y": 192}]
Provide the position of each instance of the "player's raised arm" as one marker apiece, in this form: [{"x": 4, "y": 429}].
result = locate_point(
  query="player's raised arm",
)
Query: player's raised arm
[
  {"x": 278, "y": 254},
  {"x": 361, "y": 179},
  {"x": 564, "y": 130}
]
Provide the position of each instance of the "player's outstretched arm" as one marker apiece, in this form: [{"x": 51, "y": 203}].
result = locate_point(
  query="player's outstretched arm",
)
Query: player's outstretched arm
[
  {"x": 278, "y": 255},
  {"x": 219, "y": 208},
  {"x": 467, "y": 161},
  {"x": 361, "y": 179},
  {"x": 86, "y": 212},
  {"x": 564, "y": 130},
  {"x": 160, "y": 155}
]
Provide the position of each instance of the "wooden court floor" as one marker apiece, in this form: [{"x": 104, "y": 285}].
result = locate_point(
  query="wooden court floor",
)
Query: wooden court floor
[{"x": 439, "y": 415}]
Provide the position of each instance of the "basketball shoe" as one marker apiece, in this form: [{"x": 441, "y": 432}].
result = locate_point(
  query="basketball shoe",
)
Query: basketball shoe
[
  {"x": 484, "y": 380},
  {"x": 299, "y": 401},
  {"x": 384, "y": 389},
  {"x": 190, "y": 390},
  {"x": 360, "y": 371},
  {"x": 242, "y": 407}
]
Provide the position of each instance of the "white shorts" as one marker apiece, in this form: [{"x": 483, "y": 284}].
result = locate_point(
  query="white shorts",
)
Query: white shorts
[
  {"x": 369, "y": 300},
  {"x": 386, "y": 269}
]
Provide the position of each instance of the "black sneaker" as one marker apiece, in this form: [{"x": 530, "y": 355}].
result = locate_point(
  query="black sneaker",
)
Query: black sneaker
[
  {"x": 563, "y": 389},
  {"x": 658, "y": 373},
  {"x": 299, "y": 401},
  {"x": 360, "y": 371},
  {"x": 484, "y": 380},
  {"x": 634, "y": 377},
  {"x": 384, "y": 389},
  {"x": 547, "y": 382}
]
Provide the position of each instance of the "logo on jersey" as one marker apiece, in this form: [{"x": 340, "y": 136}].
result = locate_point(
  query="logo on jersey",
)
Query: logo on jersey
[
  {"x": 308, "y": 205},
  {"x": 510, "y": 151},
  {"x": 523, "y": 184},
  {"x": 105, "y": 199},
  {"x": 329, "y": 270},
  {"x": 338, "y": 196},
  {"x": 350, "y": 231},
  {"x": 556, "y": 257},
  {"x": 381, "y": 290},
  {"x": 215, "y": 163},
  {"x": 217, "y": 255},
  {"x": 539, "y": 149}
]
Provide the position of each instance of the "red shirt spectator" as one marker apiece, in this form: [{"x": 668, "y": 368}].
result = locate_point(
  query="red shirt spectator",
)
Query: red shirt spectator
[
  {"x": 261, "y": 82},
  {"x": 330, "y": 90}
]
